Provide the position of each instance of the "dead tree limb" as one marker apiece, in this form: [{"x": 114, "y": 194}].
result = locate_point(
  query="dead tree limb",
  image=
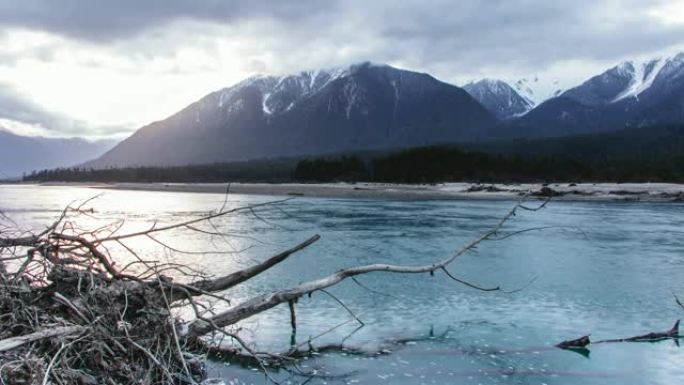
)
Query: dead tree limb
[
  {"x": 15, "y": 342},
  {"x": 264, "y": 302},
  {"x": 649, "y": 337},
  {"x": 584, "y": 341},
  {"x": 228, "y": 281}
]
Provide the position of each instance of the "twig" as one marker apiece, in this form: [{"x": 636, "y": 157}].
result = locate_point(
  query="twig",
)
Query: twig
[
  {"x": 344, "y": 306},
  {"x": 471, "y": 285}
]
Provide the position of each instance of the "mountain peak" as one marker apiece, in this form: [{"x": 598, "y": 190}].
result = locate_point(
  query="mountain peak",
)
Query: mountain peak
[
  {"x": 363, "y": 106},
  {"x": 627, "y": 80},
  {"x": 537, "y": 90},
  {"x": 633, "y": 93},
  {"x": 283, "y": 93},
  {"x": 498, "y": 97},
  {"x": 642, "y": 75}
]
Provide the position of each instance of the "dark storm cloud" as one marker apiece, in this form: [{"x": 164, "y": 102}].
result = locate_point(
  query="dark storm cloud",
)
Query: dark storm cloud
[
  {"x": 463, "y": 34},
  {"x": 101, "y": 20},
  {"x": 529, "y": 33}
]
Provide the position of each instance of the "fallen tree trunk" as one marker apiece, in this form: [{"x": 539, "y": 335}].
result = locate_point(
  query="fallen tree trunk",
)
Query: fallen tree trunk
[
  {"x": 653, "y": 336},
  {"x": 584, "y": 341}
]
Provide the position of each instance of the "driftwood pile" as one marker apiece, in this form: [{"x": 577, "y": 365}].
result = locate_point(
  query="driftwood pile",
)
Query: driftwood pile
[{"x": 72, "y": 313}]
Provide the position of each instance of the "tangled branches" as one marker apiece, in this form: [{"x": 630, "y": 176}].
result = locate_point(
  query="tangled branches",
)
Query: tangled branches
[{"x": 71, "y": 312}]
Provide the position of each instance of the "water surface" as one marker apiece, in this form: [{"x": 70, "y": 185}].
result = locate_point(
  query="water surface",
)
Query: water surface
[{"x": 608, "y": 269}]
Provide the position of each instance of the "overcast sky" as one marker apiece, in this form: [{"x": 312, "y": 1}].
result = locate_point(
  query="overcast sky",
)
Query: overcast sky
[{"x": 104, "y": 68}]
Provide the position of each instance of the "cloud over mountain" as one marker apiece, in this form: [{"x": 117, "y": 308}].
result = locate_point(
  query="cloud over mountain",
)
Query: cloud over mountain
[{"x": 127, "y": 63}]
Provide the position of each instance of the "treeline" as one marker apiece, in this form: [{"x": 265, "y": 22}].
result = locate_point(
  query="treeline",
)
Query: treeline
[
  {"x": 439, "y": 164},
  {"x": 442, "y": 164},
  {"x": 654, "y": 154},
  {"x": 271, "y": 171},
  {"x": 342, "y": 169},
  {"x": 420, "y": 165}
]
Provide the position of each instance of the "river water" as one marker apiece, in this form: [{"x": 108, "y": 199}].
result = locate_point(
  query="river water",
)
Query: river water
[{"x": 605, "y": 269}]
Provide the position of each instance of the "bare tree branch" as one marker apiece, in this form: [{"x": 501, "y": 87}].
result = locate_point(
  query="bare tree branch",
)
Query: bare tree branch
[
  {"x": 228, "y": 281},
  {"x": 266, "y": 301}
]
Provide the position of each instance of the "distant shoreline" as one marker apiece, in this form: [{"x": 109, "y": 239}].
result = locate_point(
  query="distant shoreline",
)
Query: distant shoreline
[{"x": 587, "y": 192}]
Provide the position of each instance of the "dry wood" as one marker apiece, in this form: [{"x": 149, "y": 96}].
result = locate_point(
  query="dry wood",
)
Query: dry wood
[
  {"x": 584, "y": 341},
  {"x": 57, "y": 331},
  {"x": 652, "y": 336},
  {"x": 67, "y": 274},
  {"x": 230, "y": 280}
]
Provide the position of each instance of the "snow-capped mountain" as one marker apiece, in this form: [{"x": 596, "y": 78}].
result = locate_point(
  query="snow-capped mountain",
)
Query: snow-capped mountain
[
  {"x": 627, "y": 80},
  {"x": 630, "y": 94},
  {"x": 631, "y": 81},
  {"x": 604, "y": 88},
  {"x": 361, "y": 107},
  {"x": 280, "y": 94},
  {"x": 23, "y": 154},
  {"x": 535, "y": 90},
  {"x": 499, "y": 98},
  {"x": 369, "y": 107}
]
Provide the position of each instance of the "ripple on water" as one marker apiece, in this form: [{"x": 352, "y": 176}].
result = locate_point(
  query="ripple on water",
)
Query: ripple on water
[{"x": 603, "y": 268}]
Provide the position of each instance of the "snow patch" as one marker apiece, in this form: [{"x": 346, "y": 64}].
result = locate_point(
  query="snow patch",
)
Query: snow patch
[
  {"x": 396, "y": 98},
  {"x": 313, "y": 75},
  {"x": 352, "y": 95},
  {"x": 264, "y": 104},
  {"x": 643, "y": 76},
  {"x": 535, "y": 91},
  {"x": 498, "y": 92}
]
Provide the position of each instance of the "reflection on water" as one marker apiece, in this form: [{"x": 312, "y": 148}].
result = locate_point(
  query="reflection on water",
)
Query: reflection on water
[{"x": 608, "y": 269}]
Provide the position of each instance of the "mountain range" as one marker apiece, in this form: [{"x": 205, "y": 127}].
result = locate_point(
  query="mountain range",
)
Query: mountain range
[
  {"x": 362, "y": 107},
  {"x": 22, "y": 154},
  {"x": 378, "y": 107},
  {"x": 631, "y": 94}
]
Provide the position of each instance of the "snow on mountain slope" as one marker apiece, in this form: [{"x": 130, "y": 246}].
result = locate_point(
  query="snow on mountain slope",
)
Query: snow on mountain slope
[
  {"x": 643, "y": 74},
  {"x": 535, "y": 90},
  {"x": 627, "y": 81},
  {"x": 281, "y": 93},
  {"x": 499, "y": 98},
  {"x": 630, "y": 94},
  {"x": 602, "y": 89}
]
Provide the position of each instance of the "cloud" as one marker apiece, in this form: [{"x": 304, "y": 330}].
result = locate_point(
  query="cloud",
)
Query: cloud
[
  {"x": 124, "y": 63},
  {"x": 102, "y": 20},
  {"x": 469, "y": 31},
  {"x": 22, "y": 116}
]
